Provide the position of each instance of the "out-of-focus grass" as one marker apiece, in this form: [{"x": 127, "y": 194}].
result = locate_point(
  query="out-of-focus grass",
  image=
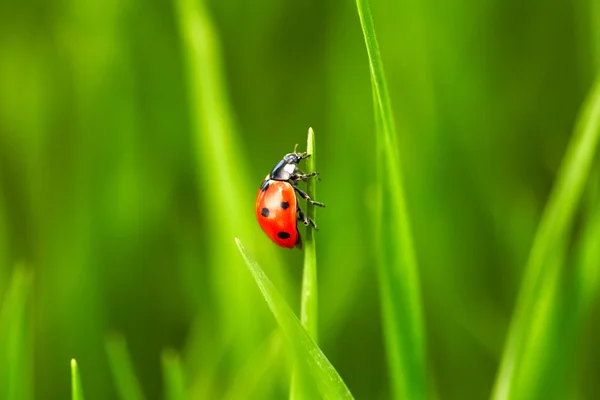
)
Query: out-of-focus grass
[
  {"x": 594, "y": 21},
  {"x": 122, "y": 369},
  {"x": 223, "y": 184},
  {"x": 539, "y": 287},
  {"x": 175, "y": 386},
  {"x": 326, "y": 378},
  {"x": 586, "y": 276},
  {"x": 399, "y": 283},
  {"x": 15, "y": 337}
]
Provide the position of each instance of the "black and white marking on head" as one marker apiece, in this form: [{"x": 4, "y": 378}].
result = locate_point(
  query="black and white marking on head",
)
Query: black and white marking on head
[
  {"x": 265, "y": 185},
  {"x": 285, "y": 168},
  {"x": 264, "y": 212},
  {"x": 290, "y": 168},
  {"x": 285, "y": 205},
  {"x": 283, "y": 235}
]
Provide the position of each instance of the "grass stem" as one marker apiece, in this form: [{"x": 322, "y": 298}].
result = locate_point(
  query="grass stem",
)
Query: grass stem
[
  {"x": 398, "y": 273},
  {"x": 76, "y": 390},
  {"x": 309, "y": 301}
]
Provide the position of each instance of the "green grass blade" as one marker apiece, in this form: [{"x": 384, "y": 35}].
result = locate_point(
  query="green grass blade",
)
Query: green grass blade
[
  {"x": 309, "y": 301},
  {"x": 552, "y": 229},
  {"x": 329, "y": 382},
  {"x": 15, "y": 379},
  {"x": 216, "y": 153},
  {"x": 173, "y": 376},
  {"x": 398, "y": 274},
  {"x": 587, "y": 271},
  {"x": 581, "y": 295},
  {"x": 221, "y": 167},
  {"x": 121, "y": 367},
  {"x": 76, "y": 390}
]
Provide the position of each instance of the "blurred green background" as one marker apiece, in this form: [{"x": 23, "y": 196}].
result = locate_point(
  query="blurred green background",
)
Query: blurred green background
[{"x": 130, "y": 153}]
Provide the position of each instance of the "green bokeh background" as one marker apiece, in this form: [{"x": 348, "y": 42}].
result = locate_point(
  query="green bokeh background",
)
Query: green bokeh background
[{"x": 105, "y": 195}]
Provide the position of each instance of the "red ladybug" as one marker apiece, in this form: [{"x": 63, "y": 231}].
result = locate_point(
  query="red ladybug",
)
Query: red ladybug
[{"x": 277, "y": 201}]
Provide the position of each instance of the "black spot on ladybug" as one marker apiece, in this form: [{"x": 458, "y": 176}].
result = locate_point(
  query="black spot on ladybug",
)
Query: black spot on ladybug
[
  {"x": 285, "y": 205},
  {"x": 283, "y": 235},
  {"x": 264, "y": 212},
  {"x": 265, "y": 185}
]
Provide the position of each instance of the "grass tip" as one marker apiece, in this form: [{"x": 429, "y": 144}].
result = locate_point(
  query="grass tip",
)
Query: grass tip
[{"x": 310, "y": 141}]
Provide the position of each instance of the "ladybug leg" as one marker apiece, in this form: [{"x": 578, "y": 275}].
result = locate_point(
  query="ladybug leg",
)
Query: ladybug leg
[
  {"x": 302, "y": 177},
  {"x": 302, "y": 217},
  {"x": 306, "y": 197},
  {"x": 302, "y": 156},
  {"x": 305, "y": 220}
]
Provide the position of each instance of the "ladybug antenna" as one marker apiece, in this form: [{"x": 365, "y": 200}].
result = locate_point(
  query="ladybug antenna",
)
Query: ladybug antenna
[{"x": 295, "y": 147}]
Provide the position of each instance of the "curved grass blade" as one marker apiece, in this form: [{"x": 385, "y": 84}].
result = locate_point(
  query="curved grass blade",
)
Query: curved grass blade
[
  {"x": 15, "y": 380},
  {"x": 587, "y": 271},
  {"x": 309, "y": 302},
  {"x": 121, "y": 367},
  {"x": 76, "y": 390},
  {"x": 398, "y": 274},
  {"x": 545, "y": 368},
  {"x": 581, "y": 288},
  {"x": 329, "y": 382},
  {"x": 553, "y": 228},
  {"x": 173, "y": 376}
]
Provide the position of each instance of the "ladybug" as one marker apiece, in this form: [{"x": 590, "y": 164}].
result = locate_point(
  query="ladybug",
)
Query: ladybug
[{"x": 277, "y": 201}]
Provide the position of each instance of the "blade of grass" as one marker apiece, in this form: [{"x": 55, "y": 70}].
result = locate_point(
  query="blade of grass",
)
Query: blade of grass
[
  {"x": 221, "y": 167},
  {"x": 14, "y": 346},
  {"x": 121, "y": 367},
  {"x": 76, "y": 390},
  {"x": 398, "y": 274},
  {"x": 587, "y": 271},
  {"x": 216, "y": 154},
  {"x": 581, "y": 292},
  {"x": 329, "y": 382},
  {"x": 552, "y": 230},
  {"x": 545, "y": 369},
  {"x": 309, "y": 300},
  {"x": 173, "y": 376},
  {"x": 309, "y": 303},
  {"x": 541, "y": 366},
  {"x": 584, "y": 289}
]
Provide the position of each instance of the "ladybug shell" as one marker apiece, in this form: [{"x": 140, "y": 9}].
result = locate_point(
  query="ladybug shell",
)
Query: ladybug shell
[{"x": 276, "y": 207}]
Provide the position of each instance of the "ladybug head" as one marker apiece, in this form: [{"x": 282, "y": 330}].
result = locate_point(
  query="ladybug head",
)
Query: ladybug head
[
  {"x": 287, "y": 167},
  {"x": 295, "y": 158}
]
